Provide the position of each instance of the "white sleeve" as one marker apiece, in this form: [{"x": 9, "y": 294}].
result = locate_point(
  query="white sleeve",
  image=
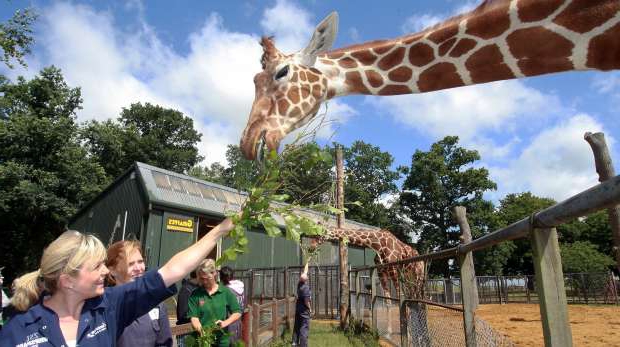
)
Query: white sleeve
[{"x": 5, "y": 299}]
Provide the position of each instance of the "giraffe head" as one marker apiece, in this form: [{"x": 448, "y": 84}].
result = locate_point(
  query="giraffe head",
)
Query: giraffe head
[{"x": 288, "y": 92}]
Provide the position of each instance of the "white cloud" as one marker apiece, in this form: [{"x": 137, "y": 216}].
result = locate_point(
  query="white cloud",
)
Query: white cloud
[
  {"x": 472, "y": 111},
  {"x": 557, "y": 163},
  {"x": 419, "y": 22},
  {"x": 290, "y": 24},
  {"x": 116, "y": 66}
]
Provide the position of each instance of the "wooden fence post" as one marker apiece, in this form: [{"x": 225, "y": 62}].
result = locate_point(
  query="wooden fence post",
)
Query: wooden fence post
[
  {"x": 274, "y": 319},
  {"x": 605, "y": 170},
  {"x": 402, "y": 315},
  {"x": 550, "y": 287},
  {"x": 360, "y": 313},
  {"x": 469, "y": 290},
  {"x": 255, "y": 323},
  {"x": 373, "y": 297}
]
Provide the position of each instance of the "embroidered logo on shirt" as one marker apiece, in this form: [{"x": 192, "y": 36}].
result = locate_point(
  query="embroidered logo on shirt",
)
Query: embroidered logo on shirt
[
  {"x": 201, "y": 302},
  {"x": 101, "y": 328},
  {"x": 33, "y": 339},
  {"x": 154, "y": 313}
]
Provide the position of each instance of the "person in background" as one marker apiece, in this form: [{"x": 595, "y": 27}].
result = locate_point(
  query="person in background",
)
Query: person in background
[
  {"x": 187, "y": 287},
  {"x": 303, "y": 310},
  {"x": 126, "y": 264},
  {"x": 211, "y": 304},
  {"x": 72, "y": 273},
  {"x": 237, "y": 288},
  {"x": 4, "y": 299}
]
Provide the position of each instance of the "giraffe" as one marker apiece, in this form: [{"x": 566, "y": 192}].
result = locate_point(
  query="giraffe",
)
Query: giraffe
[
  {"x": 389, "y": 249},
  {"x": 499, "y": 40}
]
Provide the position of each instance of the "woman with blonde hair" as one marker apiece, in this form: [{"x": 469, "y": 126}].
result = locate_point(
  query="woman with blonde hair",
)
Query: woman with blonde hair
[
  {"x": 213, "y": 304},
  {"x": 126, "y": 264},
  {"x": 65, "y": 300}
]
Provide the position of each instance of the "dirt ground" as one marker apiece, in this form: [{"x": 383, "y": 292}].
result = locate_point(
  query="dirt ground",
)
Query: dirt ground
[{"x": 592, "y": 326}]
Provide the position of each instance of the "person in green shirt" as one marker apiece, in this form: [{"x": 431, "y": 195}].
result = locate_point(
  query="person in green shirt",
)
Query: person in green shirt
[{"x": 212, "y": 304}]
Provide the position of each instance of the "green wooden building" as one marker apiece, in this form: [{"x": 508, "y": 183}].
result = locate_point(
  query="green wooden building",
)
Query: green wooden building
[{"x": 168, "y": 211}]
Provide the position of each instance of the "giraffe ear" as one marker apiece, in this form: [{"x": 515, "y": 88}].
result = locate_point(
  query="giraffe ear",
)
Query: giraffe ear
[{"x": 322, "y": 39}]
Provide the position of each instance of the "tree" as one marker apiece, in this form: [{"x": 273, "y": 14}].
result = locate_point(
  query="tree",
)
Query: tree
[
  {"x": 513, "y": 208},
  {"x": 148, "y": 133},
  {"x": 583, "y": 256},
  {"x": 437, "y": 180},
  {"x": 213, "y": 173},
  {"x": 240, "y": 173},
  {"x": 594, "y": 228},
  {"x": 16, "y": 37},
  {"x": 45, "y": 173},
  {"x": 369, "y": 177}
]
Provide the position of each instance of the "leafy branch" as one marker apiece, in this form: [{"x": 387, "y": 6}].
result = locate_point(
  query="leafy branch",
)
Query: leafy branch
[{"x": 265, "y": 201}]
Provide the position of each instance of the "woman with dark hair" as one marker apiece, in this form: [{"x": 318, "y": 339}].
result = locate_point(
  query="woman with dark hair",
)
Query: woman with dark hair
[{"x": 237, "y": 288}]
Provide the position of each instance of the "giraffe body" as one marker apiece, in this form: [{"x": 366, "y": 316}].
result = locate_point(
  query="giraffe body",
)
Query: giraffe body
[
  {"x": 499, "y": 40},
  {"x": 389, "y": 249}
]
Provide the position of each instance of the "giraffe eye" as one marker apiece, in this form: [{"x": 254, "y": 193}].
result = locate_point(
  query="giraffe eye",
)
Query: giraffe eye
[{"x": 282, "y": 72}]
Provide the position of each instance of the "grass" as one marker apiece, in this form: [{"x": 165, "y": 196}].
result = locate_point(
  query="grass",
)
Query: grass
[{"x": 328, "y": 334}]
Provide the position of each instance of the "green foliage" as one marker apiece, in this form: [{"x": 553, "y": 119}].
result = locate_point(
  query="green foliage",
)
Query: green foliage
[
  {"x": 368, "y": 178},
  {"x": 148, "y": 133},
  {"x": 360, "y": 334},
  {"x": 517, "y": 255},
  {"x": 264, "y": 200},
  {"x": 437, "y": 180},
  {"x": 45, "y": 173},
  {"x": 207, "y": 337},
  {"x": 16, "y": 36},
  {"x": 213, "y": 173},
  {"x": 583, "y": 256}
]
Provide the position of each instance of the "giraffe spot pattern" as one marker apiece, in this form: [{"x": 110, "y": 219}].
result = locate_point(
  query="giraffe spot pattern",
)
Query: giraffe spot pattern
[
  {"x": 295, "y": 112},
  {"x": 305, "y": 93},
  {"x": 439, "y": 76},
  {"x": 539, "y": 50},
  {"x": 395, "y": 89},
  {"x": 374, "y": 78},
  {"x": 316, "y": 91},
  {"x": 604, "y": 52},
  {"x": 302, "y": 75},
  {"x": 584, "y": 15},
  {"x": 400, "y": 74},
  {"x": 312, "y": 77},
  {"x": 462, "y": 46},
  {"x": 305, "y": 106},
  {"x": 293, "y": 77},
  {"x": 392, "y": 59},
  {"x": 442, "y": 34},
  {"x": 327, "y": 61},
  {"x": 420, "y": 54},
  {"x": 347, "y": 63},
  {"x": 446, "y": 46},
  {"x": 487, "y": 64},
  {"x": 364, "y": 57},
  {"x": 496, "y": 22},
  {"x": 383, "y": 48},
  {"x": 535, "y": 10},
  {"x": 354, "y": 80},
  {"x": 293, "y": 95},
  {"x": 282, "y": 106}
]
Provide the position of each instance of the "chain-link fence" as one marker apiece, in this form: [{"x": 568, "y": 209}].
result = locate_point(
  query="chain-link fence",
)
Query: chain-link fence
[{"x": 384, "y": 300}]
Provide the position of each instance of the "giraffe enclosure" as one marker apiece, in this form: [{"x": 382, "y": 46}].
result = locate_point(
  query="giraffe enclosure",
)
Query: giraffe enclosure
[{"x": 591, "y": 325}]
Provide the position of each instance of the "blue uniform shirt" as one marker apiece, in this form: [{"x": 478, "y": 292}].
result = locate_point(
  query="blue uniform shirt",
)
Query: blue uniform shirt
[{"x": 102, "y": 320}]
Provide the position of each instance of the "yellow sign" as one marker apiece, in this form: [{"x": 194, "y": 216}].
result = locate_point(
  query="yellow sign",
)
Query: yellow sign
[{"x": 178, "y": 224}]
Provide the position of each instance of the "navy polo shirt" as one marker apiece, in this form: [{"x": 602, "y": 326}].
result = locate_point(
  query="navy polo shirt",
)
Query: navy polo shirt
[{"x": 102, "y": 320}]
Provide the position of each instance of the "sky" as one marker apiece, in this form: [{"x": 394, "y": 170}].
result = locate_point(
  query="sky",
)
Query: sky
[{"x": 199, "y": 57}]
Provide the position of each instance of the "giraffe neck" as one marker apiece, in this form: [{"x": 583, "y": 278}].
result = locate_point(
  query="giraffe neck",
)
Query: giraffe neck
[
  {"x": 499, "y": 40},
  {"x": 384, "y": 243}
]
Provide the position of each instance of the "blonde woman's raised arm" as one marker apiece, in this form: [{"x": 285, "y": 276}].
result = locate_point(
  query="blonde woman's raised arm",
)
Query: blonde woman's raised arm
[{"x": 182, "y": 263}]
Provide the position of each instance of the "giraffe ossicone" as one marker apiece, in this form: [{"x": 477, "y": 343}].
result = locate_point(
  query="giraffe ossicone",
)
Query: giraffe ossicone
[{"x": 499, "y": 40}]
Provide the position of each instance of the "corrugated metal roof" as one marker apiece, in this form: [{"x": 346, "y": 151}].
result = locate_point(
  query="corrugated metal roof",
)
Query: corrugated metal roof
[{"x": 171, "y": 189}]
